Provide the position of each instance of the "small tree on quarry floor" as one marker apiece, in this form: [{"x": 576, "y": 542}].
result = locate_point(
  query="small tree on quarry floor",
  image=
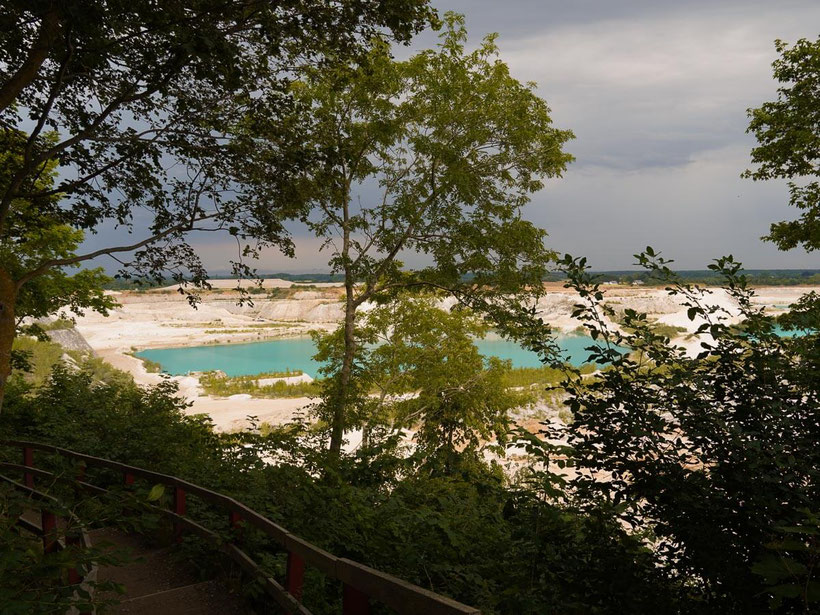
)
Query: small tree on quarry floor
[{"x": 418, "y": 368}]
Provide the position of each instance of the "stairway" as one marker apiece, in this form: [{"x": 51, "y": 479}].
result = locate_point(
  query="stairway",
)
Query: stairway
[{"x": 156, "y": 584}]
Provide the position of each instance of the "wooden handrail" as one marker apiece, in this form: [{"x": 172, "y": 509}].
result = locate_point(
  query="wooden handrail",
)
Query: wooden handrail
[
  {"x": 48, "y": 528},
  {"x": 360, "y": 582}
]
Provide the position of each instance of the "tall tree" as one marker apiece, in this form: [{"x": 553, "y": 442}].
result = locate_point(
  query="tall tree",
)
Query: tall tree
[
  {"x": 788, "y": 133},
  {"x": 435, "y": 155},
  {"x": 137, "y": 101}
]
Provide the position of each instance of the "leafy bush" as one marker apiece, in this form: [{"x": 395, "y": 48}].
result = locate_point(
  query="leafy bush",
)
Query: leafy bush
[
  {"x": 35, "y": 582},
  {"x": 467, "y": 534},
  {"x": 711, "y": 457}
]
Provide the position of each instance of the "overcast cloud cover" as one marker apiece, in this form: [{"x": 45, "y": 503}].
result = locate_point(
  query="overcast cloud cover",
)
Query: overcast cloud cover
[{"x": 656, "y": 93}]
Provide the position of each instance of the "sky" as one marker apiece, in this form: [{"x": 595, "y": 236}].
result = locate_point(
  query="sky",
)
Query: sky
[{"x": 656, "y": 92}]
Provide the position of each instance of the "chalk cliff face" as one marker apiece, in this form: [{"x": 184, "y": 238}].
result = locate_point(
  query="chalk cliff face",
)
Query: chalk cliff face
[
  {"x": 308, "y": 309},
  {"x": 70, "y": 339}
]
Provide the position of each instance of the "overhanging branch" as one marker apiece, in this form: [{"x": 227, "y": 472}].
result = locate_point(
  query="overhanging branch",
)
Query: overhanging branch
[
  {"x": 63, "y": 262},
  {"x": 36, "y": 56}
]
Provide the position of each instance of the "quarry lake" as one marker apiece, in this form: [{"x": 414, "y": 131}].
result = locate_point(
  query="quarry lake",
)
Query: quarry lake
[{"x": 296, "y": 354}]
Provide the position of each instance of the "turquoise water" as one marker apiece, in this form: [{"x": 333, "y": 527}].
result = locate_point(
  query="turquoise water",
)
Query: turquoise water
[
  {"x": 238, "y": 359},
  {"x": 778, "y": 330},
  {"x": 295, "y": 354}
]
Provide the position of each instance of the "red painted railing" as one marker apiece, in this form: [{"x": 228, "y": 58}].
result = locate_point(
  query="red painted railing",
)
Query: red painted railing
[
  {"x": 361, "y": 584},
  {"x": 48, "y": 530}
]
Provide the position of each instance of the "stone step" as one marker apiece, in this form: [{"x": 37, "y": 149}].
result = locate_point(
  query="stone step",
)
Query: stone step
[
  {"x": 205, "y": 598},
  {"x": 152, "y": 570},
  {"x": 156, "y": 583}
]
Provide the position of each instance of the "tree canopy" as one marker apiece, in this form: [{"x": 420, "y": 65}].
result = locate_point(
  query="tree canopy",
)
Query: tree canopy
[
  {"x": 133, "y": 92},
  {"x": 417, "y": 368},
  {"x": 788, "y": 133},
  {"x": 132, "y": 107}
]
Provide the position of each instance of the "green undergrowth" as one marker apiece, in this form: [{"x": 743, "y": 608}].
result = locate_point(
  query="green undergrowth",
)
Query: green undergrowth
[
  {"x": 465, "y": 533},
  {"x": 37, "y": 582},
  {"x": 35, "y": 360},
  {"x": 152, "y": 367},
  {"x": 217, "y": 384}
]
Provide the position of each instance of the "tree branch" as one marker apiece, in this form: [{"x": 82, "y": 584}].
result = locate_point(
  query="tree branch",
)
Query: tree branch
[
  {"x": 31, "y": 65},
  {"x": 62, "y": 262},
  {"x": 29, "y": 164},
  {"x": 55, "y": 91}
]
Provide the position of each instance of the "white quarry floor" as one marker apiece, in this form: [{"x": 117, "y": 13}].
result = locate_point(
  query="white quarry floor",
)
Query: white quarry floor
[{"x": 165, "y": 319}]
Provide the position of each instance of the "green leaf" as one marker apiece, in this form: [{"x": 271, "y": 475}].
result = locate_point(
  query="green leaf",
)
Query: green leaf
[{"x": 157, "y": 491}]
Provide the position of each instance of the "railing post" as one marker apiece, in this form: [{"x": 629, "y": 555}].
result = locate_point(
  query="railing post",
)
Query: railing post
[
  {"x": 74, "y": 577},
  {"x": 295, "y": 576},
  {"x": 354, "y": 602},
  {"x": 48, "y": 521},
  {"x": 28, "y": 461},
  {"x": 179, "y": 508},
  {"x": 235, "y": 519}
]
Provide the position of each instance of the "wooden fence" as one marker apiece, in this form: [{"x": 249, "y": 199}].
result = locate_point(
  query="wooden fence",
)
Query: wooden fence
[
  {"x": 361, "y": 584},
  {"x": 49, "y": 533}
]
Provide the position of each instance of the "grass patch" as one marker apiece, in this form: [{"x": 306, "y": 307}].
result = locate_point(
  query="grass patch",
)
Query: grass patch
[
  {"x": 152, "y": 367},
  {"x": 217, "y": 326},
  {"x": 41, "y": 358},
  {"x": 545, "y": 375},
  {"x": 185, "y": 325},
  {"x": 248, "y": 328},
  {"x": 670, "y": 331},
  {"x": 58, "y": 324}
]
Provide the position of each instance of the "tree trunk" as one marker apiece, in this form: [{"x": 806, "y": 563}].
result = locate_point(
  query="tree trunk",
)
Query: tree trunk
[
  {"x": 366, "y": 428},
  {"x": 8, "y": 298},
  {"x": 343, "y": 398},
  {"x": 343, "y": 395}
]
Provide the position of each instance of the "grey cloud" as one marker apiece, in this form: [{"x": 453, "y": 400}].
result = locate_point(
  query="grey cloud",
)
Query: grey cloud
[
  {"x": 677, "y": 82},
  {"x": 656, "y": 93}
]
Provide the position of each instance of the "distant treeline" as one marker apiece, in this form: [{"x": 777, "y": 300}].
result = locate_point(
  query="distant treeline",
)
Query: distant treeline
[{"x": 757, "y": 277}]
